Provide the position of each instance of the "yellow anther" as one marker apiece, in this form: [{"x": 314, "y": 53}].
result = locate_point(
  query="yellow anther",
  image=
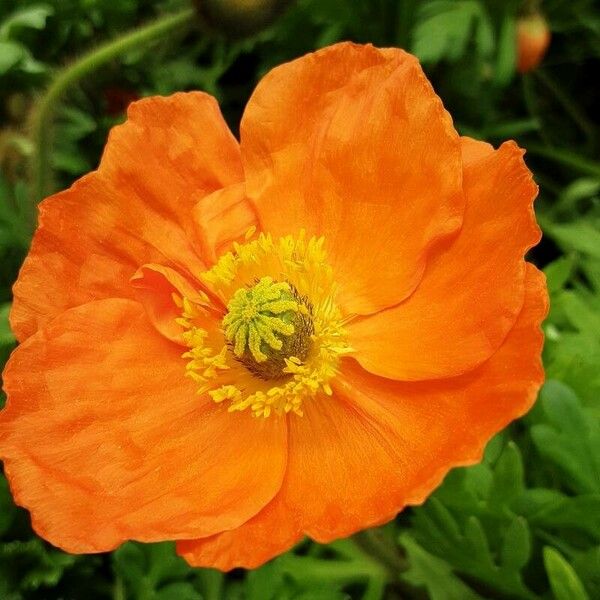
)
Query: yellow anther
[{"x": 283, "y": 336}]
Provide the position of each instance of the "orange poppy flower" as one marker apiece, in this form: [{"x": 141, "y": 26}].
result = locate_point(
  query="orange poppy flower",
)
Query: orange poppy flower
[{"x": 234, "y": 345}]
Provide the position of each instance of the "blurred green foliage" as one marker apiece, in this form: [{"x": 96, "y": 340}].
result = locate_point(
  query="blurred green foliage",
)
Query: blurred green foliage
[{"x": 523, "y": 524}]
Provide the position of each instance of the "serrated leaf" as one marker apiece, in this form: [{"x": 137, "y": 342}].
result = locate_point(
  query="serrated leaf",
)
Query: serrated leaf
[
  {"x": 563, "y": 579},
  {"x": 579, "y": 513},
  {"x": 464, "y": 489},
  {"x": 535, "y": 501},
  {"x": 493, "y": 543},
  {"x": 443, "y": 520},
  {"x": 569, "y": 438},
  {"x": 433, "y": 574},
  {"x": 148, "y": 568},
  {"x": 34, "y": 564}
]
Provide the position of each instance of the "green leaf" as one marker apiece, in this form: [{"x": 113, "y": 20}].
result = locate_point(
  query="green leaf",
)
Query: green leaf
[
  {"x": 443, "y": 520},
  {"x": 516, "y": 545},
  {"x": 32, "y": 565},
  {"x": 70, "y": 161},
  {"x": 563, "y": 579},
  {"x": 6, "y": 335},
  {"x": 148, "y": 569},
  {"x": 177, "y": 591},
  {"x": 581, "y": 189},
  {"x": 587, "y": 566},
  {"x": 558, "y": 273},
  {"x": 445, "y": 27},
  {"x": 14, "y": 56},
  {"x": 210, "y": 582},
  {"x": 580, "y": 236},
  {"x": 11, "y": 54},
  {"x": 7, "y": 508},
  {"x": 266, "y": 583},
  {"x": 478, "y": 543},
  {"x": 32, "y": 17},
  {"x": 554, "y": 511},
  {"x": 576, "y": 513},
  {"x": 471, "y": 522},
  {"x": 322, "y": 595},
  {"x": 75, "y": 123},
  {"x": 572, "y": 350},
  {"x": 433, "y": 574},
  {"x": 508, "y": 480},
  {"x": 580, "y": 314},
  {"x": 506, "y": 58},
  {"x": 569, "y": 438}
]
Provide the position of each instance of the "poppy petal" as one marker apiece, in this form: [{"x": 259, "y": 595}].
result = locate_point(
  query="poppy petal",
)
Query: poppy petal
[
  {"x": 223, "y": 217},
  {"x": 272, "y": 531},
  {"x": 472, "y": 289},
  {"x": 156, "y": 286},
  {"x": 104, "y": 438},
  {"x": 134, "y": 210},
  {"x": 351, "y": 142},
  {"x": 357, "y": 458}
]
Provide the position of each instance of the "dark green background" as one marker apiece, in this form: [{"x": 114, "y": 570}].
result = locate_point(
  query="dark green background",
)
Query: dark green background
[{"x": 525, "y": 523}]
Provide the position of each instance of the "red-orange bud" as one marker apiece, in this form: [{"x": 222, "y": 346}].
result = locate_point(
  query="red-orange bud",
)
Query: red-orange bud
[{"x": 533, "y": 39}]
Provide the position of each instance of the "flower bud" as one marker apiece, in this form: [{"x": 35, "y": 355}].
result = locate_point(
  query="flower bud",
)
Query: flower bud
[
  {"x": 533, "y": 39},
  {"x": 240, "y": 17}
]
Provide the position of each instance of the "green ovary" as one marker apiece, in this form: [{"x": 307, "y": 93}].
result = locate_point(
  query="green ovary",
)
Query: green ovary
[{"x": 267, "y": 324}]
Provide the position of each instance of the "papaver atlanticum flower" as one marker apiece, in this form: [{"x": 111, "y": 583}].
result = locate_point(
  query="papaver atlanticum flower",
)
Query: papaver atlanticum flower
[{"x": 234, "y": 345}]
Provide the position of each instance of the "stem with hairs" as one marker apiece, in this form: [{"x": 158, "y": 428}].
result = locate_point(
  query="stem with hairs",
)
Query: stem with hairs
[{"x": 43, "y": 115}]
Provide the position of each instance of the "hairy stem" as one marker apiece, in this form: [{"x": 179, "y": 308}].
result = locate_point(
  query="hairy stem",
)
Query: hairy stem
[{"x": 42, "y": 117}]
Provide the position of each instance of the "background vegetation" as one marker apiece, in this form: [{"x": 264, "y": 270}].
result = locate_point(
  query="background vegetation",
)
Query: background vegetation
[{"x": 525, "y": 524}]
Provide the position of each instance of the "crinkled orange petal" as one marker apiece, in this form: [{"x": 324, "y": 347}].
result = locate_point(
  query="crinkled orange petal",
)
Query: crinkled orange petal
[
  {"x": 351, "y": 142},
  {"x": 135, "y": 209},
  {"x": 272, "y": 531},
  {"x": 156, "y": 286},
  {"x": 104, "y": 439},
  {"x": 222, "y": 218},
  {"x": 359, "y": 457},
  {"x": 472, "y": 289}
]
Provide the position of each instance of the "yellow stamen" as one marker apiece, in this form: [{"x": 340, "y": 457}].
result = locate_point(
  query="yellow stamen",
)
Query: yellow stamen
[{"x": 282, "y": 337}]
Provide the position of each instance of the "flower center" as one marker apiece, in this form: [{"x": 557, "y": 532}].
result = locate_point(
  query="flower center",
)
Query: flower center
[
  {"x": 267, "y": 324},
  {"x": 281, "y": 340}
]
